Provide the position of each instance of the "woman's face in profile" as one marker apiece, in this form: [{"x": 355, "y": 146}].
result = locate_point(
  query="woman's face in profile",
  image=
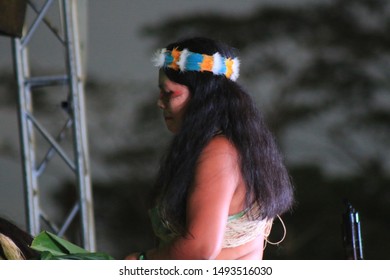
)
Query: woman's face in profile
[{"x": 172, "y": 101}]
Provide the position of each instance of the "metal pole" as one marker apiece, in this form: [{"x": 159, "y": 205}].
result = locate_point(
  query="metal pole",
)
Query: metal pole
[
  {"x": 27, "y": 139},
  {"x": 79, "y": 127}
]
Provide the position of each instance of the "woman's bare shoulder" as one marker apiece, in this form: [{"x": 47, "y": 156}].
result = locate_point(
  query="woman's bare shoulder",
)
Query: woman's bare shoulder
[
  {"x": 220, "y": 145},
  {"x": 218, "y": 157}
]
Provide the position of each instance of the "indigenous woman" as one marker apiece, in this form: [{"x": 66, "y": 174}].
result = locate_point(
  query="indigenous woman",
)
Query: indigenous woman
[{"x": 222, "y": 181}]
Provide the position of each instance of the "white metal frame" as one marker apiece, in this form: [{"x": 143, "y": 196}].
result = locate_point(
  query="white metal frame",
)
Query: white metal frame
[{"x": 30, "y": 126}]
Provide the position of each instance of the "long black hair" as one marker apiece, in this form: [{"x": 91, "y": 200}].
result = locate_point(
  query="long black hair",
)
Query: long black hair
[{"x": 220, "y": 104}]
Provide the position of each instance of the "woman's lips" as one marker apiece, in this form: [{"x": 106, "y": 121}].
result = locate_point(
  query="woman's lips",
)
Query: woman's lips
[{"x": 167, "y": 117}]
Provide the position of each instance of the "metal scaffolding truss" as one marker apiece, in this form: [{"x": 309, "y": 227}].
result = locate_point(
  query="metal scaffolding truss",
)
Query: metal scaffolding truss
[{"x": 75, "y": 124}]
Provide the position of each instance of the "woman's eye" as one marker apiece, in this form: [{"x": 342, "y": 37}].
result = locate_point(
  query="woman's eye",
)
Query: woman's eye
[{"x": 164, "y": 94}]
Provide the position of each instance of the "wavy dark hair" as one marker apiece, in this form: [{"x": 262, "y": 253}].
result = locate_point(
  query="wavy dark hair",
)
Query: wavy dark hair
[{"x": 219, "y": 104}]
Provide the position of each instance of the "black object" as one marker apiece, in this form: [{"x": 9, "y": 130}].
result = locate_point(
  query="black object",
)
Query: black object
[
  {"x": 352, "y": 236},
  {"x": 12, "y": 15}
]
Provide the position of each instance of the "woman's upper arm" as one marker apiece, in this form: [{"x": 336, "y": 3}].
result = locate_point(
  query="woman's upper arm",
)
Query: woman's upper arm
[{"x": 216, "y": 179}]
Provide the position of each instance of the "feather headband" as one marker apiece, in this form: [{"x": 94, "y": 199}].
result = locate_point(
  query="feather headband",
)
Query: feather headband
[{"x": 186, "y": 60}]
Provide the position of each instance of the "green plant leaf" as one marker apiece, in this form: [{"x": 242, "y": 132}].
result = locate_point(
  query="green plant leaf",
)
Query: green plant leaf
[
  {"x": 86, "y": 256},
  {"x": 53, "y": 247},
  {"x": 48, "y": 242}
]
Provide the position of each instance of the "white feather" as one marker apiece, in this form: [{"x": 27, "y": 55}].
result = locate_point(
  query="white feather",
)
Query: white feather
[
  {"x": 217, "y": 63},
  {"x": 236, "y": 69},
  {"x": 159, "y": 58},
  {"x": 183, "y": 59}
]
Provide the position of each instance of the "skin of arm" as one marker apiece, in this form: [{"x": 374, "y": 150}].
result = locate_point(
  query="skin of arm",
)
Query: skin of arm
[{"x": 208, "y": 206}]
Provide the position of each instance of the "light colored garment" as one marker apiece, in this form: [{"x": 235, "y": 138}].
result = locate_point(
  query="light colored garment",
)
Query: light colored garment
[{"x": 240, "y": 228}]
